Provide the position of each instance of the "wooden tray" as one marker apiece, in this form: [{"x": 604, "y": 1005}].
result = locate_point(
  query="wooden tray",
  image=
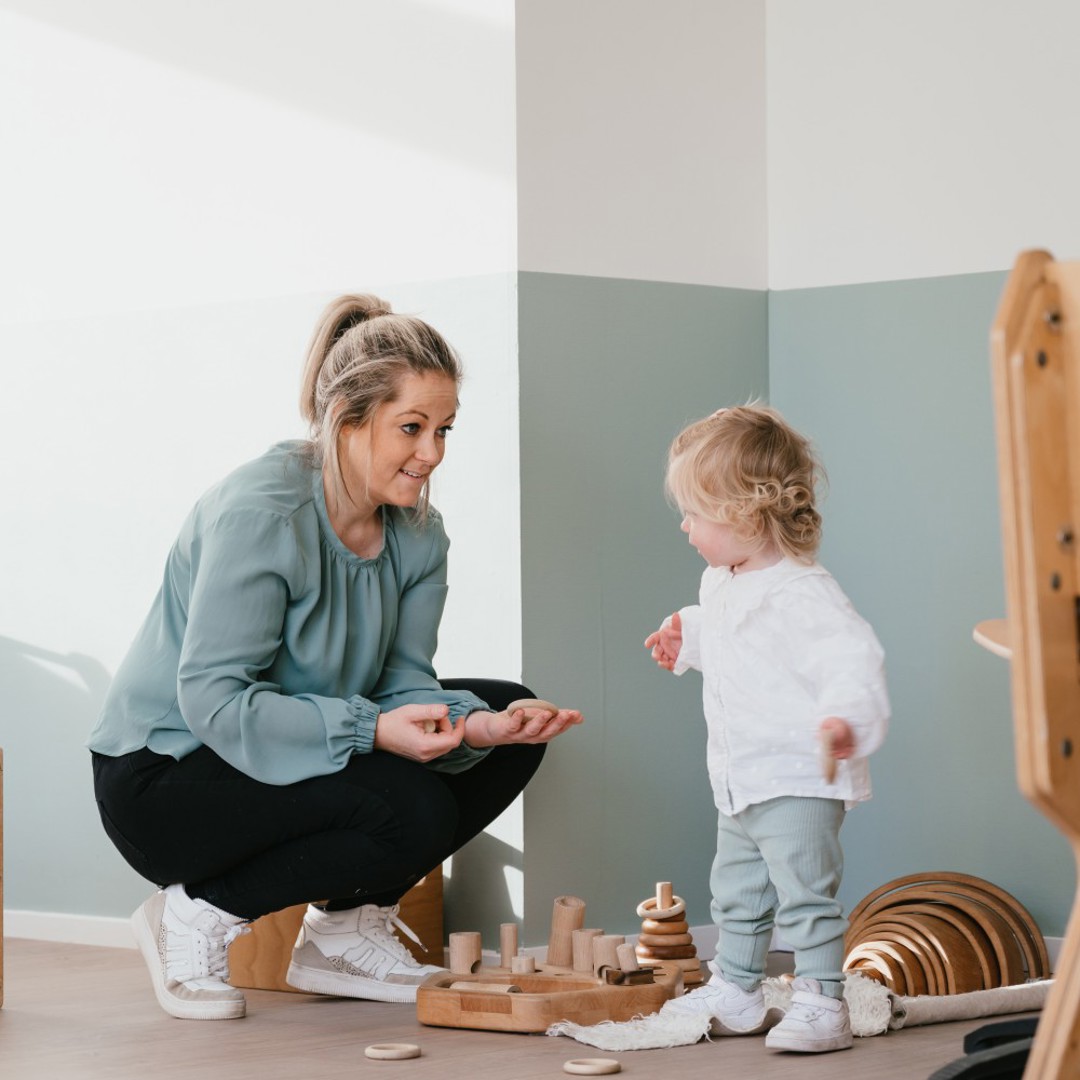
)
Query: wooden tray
[{"x": 550, "y": 995}]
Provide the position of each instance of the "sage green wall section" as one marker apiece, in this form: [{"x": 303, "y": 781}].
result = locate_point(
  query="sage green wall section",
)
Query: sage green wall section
[
  {"x": 609, "y": 372},
  {"x": 892, "y": 382}
]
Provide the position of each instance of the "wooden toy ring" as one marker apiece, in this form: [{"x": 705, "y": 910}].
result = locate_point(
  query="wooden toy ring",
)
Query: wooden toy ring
[
  {"x": 665, "y": 926},
  {"x": 591, "y": 1066},
  {"x": 530, "y": 703},
  {"x": 648, "y": 909},
  {"x": 392, "y": 1051}
]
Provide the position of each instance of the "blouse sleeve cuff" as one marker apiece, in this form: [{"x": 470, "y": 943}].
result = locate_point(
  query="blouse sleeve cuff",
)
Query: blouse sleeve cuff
[{"x": 365, "y": 715}]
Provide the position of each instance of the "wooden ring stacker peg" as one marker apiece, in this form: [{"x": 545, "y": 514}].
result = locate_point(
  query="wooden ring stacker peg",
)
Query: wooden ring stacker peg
[
  {"x": 591, "y": 1066},
  {"x": 828, "y": 762},
  {"x": 392, "y": 1051},
  {"x": 647, "y": 909}
]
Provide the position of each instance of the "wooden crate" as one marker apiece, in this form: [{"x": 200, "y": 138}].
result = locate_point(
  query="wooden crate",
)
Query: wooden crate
[{"x": 260, "y": 959}]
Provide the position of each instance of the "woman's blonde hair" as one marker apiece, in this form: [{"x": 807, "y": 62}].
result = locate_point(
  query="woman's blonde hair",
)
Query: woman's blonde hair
[
  {"x": 746, "y": 467},
  {"x": 357, "y": 358}
]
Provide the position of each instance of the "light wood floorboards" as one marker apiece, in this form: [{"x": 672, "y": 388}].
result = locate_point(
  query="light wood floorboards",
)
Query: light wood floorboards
[{"x": 85, "y": 1012}]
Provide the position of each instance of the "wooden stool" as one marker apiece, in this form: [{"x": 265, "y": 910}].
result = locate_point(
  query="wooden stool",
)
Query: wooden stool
[{"x": 260, "y": 959}]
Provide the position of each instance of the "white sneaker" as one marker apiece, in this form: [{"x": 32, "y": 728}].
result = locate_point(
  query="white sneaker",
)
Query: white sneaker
[
  {"x": 354, "y": 953},
  {"x": 185, "y": 944},
  {"x": 734, "y": 1011},
  {"x": 814, "y": 1023}
]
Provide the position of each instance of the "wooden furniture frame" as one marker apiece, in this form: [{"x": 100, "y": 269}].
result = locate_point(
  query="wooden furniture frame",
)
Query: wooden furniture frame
[{"x": 1035, "y": 360}]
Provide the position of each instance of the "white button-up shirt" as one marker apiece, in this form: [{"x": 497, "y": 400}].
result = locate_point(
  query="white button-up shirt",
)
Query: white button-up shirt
[{"x": 781, "y": 649}]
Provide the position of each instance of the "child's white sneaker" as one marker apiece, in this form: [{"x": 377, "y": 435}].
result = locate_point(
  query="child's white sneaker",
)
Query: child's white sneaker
[
  {"x": 354, "y": 953},
  {"x": 814, "y": 1023},
  {"x": 185, "y": 944},
  {"x": 734, "y": 1011}
]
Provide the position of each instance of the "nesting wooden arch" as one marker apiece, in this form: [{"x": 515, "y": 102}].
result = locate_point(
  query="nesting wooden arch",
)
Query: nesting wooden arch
[{"x": 944, "y": 933}]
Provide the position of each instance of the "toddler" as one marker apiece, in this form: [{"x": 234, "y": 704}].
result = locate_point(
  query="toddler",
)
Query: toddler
[{"x": 795, "y": 702}]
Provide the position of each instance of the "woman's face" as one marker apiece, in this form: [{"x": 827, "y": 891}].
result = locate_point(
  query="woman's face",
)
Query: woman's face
[{"x": 391, "y": 457}]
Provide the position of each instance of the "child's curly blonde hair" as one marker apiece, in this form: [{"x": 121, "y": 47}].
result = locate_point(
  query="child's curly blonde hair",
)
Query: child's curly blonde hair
[{"x": 746, "y": 467}]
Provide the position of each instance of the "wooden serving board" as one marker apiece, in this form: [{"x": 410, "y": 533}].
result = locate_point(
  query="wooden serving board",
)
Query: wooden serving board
[{"x": 548, "y": 996}]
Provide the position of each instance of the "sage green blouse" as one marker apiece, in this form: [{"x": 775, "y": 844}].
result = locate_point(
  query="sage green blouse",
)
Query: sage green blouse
[{"x": 272, "y": 643}]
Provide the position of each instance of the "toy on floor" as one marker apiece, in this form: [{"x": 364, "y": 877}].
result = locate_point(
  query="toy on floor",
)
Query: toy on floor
[
  {"x": 591, "y": 1066},
  {"x": 944, "y": 933},
  {"x": 588, "y": 977},
  {"x": 392, "y": 1051},
  {"x": 665, "y": 934}
]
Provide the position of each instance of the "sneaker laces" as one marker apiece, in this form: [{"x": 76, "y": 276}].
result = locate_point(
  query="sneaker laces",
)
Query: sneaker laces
[
  {"x": 202, "y": 952},
  {"x": 382, "y": 929}
]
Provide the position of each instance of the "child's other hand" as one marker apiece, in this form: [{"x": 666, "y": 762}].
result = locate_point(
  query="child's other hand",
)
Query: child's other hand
[
  {"x": 837, "y": 736},
  {"x": 666, "y": 643}
]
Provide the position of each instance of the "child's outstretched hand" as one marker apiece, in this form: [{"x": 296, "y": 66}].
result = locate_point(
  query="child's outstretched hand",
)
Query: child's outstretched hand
[
  {"x": 666, "y": 643},
  {"x": 837, "y": 743}
]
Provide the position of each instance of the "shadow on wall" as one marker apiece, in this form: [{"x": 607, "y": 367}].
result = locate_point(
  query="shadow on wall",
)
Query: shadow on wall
[
  {"x": 53, "y": 834},
  {"x": 328, "y": 57},
  {"x": 475, "y": 893}
]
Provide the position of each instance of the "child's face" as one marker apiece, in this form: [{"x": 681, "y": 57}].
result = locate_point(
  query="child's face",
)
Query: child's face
[{"x": 718, "y": 544}]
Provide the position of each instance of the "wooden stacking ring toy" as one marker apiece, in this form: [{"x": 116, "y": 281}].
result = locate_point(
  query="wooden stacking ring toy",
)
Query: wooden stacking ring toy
[
  {"x": 647, "y": 909},
  {"x": 665, "y": 926},
  {"x": 665, "y": 941},
  {"x": 530, "y": 703},
  {"x": 675, "y": 952},
  {"x": 392, "y": 1051},
  {"x": 591, "y": 1066}
]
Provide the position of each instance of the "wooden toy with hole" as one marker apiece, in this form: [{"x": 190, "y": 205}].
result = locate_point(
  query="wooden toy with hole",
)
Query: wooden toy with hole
[
  {"x": 587, "y": 977},
  {"x": 665, "y": 934}
]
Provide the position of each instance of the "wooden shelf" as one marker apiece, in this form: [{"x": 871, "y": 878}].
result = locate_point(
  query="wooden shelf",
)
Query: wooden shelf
[{"x": 993, "y": 634}]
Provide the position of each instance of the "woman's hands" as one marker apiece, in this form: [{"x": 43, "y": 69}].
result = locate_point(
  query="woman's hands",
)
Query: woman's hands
[
  {"x": 666, "y": 642},
  {"x": 407, "y": 731},
  {"x": 424, "y": 732},
  {"x": 529, "y": 725}
]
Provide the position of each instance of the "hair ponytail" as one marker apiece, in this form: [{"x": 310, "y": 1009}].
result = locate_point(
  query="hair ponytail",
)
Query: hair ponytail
[{"x": 339, "y": 317}]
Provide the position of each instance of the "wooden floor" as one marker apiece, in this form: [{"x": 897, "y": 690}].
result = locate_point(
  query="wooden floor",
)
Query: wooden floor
[{"x": 82, "y": 1011}]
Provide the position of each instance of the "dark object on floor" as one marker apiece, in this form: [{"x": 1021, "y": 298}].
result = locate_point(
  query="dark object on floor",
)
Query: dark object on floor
[{"x": 993, "y": 1052}]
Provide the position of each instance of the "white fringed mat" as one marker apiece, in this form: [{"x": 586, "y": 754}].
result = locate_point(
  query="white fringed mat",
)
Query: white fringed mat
[{"x": 873, "y": 1008}]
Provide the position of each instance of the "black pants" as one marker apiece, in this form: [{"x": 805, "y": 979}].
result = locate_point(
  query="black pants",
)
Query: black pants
[{"x": 363, "y": 835}]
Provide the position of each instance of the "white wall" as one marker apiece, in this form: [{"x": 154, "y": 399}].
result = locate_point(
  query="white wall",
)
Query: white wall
[
  {"x": 641, "y": 140},
  {"x": 920, "y": 139},
  {"x": 185, "y": 187}
]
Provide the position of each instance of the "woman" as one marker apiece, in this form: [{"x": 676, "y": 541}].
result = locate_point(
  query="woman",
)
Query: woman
[{"x": 276, "y": 734}]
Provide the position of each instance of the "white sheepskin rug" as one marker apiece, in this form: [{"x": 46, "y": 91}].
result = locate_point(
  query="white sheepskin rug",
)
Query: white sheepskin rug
[{"x": 873, "y": 1008}]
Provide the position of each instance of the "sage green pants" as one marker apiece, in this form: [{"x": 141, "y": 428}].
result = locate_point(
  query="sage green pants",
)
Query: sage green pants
[{"x": 780, "y": 862}]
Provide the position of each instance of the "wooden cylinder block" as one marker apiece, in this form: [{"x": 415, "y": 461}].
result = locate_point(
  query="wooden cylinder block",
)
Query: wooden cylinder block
[
  {"x": 606, "y": 951},
  {"x": 508, "y": 943},
  {"x": 627, "y": 959},
  {"x": 567, "y": 916},
  {"x": 465, "y": 952},
  {"x": 523, "y": 965},
  {"x": 581, "y": 942}
]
